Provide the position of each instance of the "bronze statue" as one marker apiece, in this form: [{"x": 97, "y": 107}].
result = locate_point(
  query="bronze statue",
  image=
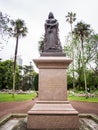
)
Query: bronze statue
[{"x": 51, "y": 40}]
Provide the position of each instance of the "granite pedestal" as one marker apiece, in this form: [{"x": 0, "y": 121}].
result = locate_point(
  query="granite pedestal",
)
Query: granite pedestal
[{"x": 52, "y": 110}]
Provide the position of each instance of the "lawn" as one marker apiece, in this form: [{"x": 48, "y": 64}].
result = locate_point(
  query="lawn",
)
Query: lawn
[
  {"x": 84, "y": 99},
  {"x": 4, "y": 97}
]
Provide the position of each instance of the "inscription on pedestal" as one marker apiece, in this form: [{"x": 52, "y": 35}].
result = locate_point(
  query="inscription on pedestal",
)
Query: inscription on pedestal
[{"x": 51, "y": 88}]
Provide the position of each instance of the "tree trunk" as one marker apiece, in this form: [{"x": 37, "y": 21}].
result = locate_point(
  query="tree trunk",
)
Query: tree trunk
[
  {"x": 73, "y": 60},
  {"x": 85, "y": 82},
  {"x": 79, "y": 71},
  {"x": 14, "y": 71}
]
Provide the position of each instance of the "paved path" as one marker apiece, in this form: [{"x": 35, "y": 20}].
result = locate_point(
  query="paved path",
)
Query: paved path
[
  {"x": 24, "y": 106},
  {"x": 85, "y": 107},
  {"x": 15, "y": 107}
]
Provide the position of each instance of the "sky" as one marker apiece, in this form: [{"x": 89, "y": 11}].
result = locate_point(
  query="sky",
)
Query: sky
[{"x": 35, "y": 12}]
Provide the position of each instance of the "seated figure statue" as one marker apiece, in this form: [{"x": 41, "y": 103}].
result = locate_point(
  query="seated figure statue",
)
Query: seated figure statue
[{"x": 51, "y": 41}]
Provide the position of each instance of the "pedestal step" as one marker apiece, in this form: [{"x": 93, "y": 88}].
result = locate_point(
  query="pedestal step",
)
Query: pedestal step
[{"x": 53, "y": 116}]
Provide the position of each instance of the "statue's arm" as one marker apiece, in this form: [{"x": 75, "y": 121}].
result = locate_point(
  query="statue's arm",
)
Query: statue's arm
[{"x": 52, "y": 24}]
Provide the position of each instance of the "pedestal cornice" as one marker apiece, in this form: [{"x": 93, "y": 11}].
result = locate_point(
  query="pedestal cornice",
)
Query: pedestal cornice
[{"x": 52, "y": 62}]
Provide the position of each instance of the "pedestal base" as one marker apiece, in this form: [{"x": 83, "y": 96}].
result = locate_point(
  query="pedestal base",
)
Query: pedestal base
[
  {"x": 53, "y": 115},
  {"x": 52, "y": 111}
]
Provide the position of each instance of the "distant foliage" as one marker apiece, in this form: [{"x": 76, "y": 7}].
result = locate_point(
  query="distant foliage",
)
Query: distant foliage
[
  {"x": 41, "y": 44},
  {"x": 4, "y": 20},
  {"x": 6, "y": 75},
  {"x": 36, "y": 78},
  {"x": 70, "y": 82},
  {"x": 4, "y": 29},
  {"x": 84, "y": 44}
]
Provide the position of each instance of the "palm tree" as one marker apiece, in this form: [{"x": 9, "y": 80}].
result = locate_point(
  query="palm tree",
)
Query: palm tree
[
  {"x": 71, "y": 17},
  {"x": 18, "y": 30},
  {"x": 82, "y": 31}
]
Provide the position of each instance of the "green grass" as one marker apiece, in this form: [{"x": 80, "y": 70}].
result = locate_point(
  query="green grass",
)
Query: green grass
[
  {"x": 4, "y": 97},
  {"x": 83, "y": 99}
]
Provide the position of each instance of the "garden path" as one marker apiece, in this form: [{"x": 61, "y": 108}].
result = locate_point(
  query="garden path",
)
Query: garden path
[{"x": 24, "y": 106}]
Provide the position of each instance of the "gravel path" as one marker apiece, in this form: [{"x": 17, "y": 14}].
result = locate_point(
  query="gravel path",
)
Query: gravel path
[{"x": 24, "y": 106}]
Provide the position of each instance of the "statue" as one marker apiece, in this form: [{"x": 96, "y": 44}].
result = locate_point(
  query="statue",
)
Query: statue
[{"x": 51, "y": 42}]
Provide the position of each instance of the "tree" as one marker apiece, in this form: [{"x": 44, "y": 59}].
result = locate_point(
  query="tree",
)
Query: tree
[
  {"x": 93, "y": 41},
  {"x": 41, "y": 44},
  {"x": 82, "y": 31},
  {"x": 18, "y": 30},
  {"x": 28, "y": 73},
  {"x": 36, "y": 80},
  {"x": 4, "y": 28},
  {"x": 71, "y": 17},
  {"x": 95, "y": 59},
  {"x": 6, "y": 78}
]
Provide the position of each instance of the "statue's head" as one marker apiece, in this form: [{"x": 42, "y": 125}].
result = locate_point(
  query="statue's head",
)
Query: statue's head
[{"x": 50, "y": 16}]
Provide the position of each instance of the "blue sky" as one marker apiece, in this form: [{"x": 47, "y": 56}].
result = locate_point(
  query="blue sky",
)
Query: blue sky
[{"x": 35, "y": 12}]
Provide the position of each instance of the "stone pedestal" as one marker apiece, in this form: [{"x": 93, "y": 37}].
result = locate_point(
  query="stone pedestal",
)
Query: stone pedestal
[{"x": 52, "y": 110}]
